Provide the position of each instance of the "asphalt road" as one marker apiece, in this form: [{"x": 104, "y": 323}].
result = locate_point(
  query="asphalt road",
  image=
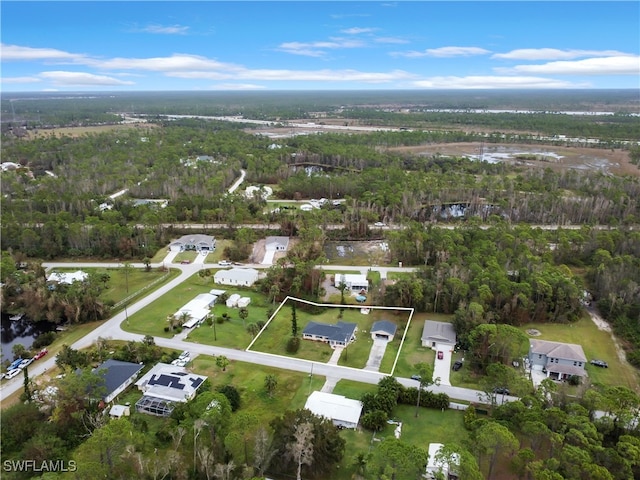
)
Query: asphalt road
[{"x": 111, "y": 329}]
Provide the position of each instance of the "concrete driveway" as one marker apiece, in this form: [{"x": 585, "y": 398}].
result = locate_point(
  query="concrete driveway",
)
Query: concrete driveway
[
  {"x": 375, "y": 355},
  {"x": 442, "y": 368}
]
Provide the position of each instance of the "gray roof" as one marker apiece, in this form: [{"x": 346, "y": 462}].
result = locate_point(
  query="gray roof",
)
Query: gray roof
[
  {"x": 195, "y": 239},
  {"x": 338, "y": 332},
  {"x": 384, "y": 325},
  {"x": 439, "y": 331},
  {"x": 115, "y": 373},
  {"x": 565, "y": 351}
]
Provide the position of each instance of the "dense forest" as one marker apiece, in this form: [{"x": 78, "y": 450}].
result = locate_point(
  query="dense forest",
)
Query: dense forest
[{"x": 495, "y": 245}]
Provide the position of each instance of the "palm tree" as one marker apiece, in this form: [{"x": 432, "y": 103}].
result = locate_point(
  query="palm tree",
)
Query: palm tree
[
  {"x": 270, "y": 383},
  {"x": 243, "y": 313}
]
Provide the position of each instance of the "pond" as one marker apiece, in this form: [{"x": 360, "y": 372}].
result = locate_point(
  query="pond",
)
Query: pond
[{"x": 22, "y": 332}]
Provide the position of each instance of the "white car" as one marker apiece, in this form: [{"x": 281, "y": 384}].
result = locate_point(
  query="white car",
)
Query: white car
[
  {"x": 379, "y": 224},
  {"x": 25, "y": 363},
  {"x": 224, "y": 263},
  {"x": 13, "y": 373}
]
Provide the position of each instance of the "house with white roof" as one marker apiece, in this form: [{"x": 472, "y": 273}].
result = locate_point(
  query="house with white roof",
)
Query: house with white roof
[
  {"x": 435, "y": 465},
  {"x": 343, "y": 412},
  {"x": 355, "y": 282},
  {"x": 243, "y": 277},
  {"x": 68, "y": 277},
  {"x": 197, "y": 309}
]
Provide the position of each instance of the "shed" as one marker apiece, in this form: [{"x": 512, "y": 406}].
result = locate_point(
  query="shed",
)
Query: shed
[
  {"x": 232, "y": 301},
  {"x": 383, "y": 330},
  {"x": 343, "y": 412},
  {"x": 243, "y": 302},
  {"x": 118, "y": 411}
]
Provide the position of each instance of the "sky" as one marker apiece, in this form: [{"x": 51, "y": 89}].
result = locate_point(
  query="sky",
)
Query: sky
[{"x": 329, "y": 45}]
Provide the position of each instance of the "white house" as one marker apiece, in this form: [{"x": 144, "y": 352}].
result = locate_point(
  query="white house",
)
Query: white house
[
  {"x": 197, "y": 242},
  {"x": 343, "y": 412},
  {"x": 68, "y": 277},
  {"x": 197, "y": 309},
  {"x": 272, "y": 246},
  {"x": 244, "y": 277},
  {"x": 354, "y": 282}
]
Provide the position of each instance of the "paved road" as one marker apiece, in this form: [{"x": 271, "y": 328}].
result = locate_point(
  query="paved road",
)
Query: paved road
[{"x": 111, "y": 329}]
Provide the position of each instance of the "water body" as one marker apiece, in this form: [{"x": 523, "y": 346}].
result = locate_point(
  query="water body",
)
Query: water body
[{"x": 22, "y": 332}]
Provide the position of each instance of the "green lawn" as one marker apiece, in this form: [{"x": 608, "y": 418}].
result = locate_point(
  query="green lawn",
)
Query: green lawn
[
  {"x": 190, "y": 256},
  {"x": 160, "y": 254},
  {"x": 274, "y": 338}
]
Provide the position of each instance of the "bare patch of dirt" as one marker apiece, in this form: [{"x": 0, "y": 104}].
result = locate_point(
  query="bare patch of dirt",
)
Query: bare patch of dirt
[{"x": 603, "y": 325}]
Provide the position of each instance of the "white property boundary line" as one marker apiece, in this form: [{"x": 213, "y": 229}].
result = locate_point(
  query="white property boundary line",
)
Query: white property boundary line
[{"x": 333, "y": 305}]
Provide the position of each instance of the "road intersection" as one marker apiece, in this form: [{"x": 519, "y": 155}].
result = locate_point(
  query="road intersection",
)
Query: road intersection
[{"x": 111, "y": 329}]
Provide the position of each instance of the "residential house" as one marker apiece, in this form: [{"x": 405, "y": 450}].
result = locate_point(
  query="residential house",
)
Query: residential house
[
  {"x": 354, "y": 282},
  {"x": 117, "y": 376},
  {"x": 343, "y": 412},
  {"x": 558, "y": 360},
  {"x": 164, "y": 386},
  {"x": 338, "y": 335},
  {"x": 435, "y": 333},
  {"x": 68, "y": 277},
  {"x": 274, "y": 245},
  {"x": 383, "y": 330},
  {"x": 197, "y": 309},
  {"x": 243, "y": 277},
  {"x": 448, "y": 470},
  {"x": 197, "y": 242}
]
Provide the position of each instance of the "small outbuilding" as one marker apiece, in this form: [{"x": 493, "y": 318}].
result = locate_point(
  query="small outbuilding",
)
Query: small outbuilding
[
  {"x": 232, "y": 301},
  {"x": 343, "y": 412},
  {"x": 383, "y": 330}
]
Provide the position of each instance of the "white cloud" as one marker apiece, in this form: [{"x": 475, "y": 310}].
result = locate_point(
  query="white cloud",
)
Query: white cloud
[
  {"x": 166, "y": 29},
  {"x": 554, "y": 54},
  {"x": 357, "y": 30},
  {"x": 318, "y": 49},
  {"x": 325, "y": 75},
  {"x": 11, "y": 80},
  {"x": 175, "y": 62},
  {"x": 443, "y": 52},
  {"x": 621, "y": 65},
  {"x": 81, "y": 79},
  {"x": 390, "y": 40},
  {"x": 18, "y": 53},
  {"x": 237, "y": 86},
  {"x": 490, "y": 82}
]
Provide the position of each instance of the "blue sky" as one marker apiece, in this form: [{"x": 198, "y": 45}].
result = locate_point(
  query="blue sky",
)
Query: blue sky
[{"x": 331, "y": 45}]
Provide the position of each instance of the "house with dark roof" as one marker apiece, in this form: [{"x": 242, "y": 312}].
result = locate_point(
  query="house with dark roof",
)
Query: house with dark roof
[
  {"x": 117, "y": 376},
  {"x": 383, "y": 330},
  {"x": 163, "y": 386},
  {"x": 558, "y": 360},
  {"x": 339, "y": 335},
  {"x": 434, "y": 333}
]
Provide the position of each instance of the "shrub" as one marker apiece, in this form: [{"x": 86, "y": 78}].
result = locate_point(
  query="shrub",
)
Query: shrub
[
  {"x": 470, "y": 416},
  {"x": 44, "y": 339},
  {"x": 219, "y": 320},
  {"x": 293, "y": 345},
  {"x": 375, "y": 420},
  {"x": 575, "y": 380},
  {"x": 232, "y": 395},
  {"x": 166, "y": 329}
]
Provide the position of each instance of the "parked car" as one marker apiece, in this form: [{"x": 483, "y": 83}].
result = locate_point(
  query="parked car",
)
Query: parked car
[
  {"x": 501, "y": 390},
  {"x": 599, "y": 363},
  {"x": 184, "y": 355},
  {"x": 457, "y": 365},
  {"x": 13, "y": 373},
  {"x": 25, "y": 363},
  {"x": 185, "y": 262},
  {"x": 224, "y": 263},
  {"x": 379, "y": 224},
  {"x": 416, "y": 377},
  {"x": 41, "y": 354},
  {"x": 440, "y": 355}
]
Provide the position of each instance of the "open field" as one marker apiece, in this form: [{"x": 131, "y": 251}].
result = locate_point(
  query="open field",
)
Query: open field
[{"x": 80, "y": 131}]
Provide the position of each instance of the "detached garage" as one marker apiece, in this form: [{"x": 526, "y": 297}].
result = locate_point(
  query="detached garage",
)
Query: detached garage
[
  {"x": 342, "y": 411},
  {"x": 383, "y": 330}
]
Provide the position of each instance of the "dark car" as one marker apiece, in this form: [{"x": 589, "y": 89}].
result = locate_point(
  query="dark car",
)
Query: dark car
[
  {"x": 600, "y": 363},
  {"x": 501, "y": 390},
  {"x": 457, "y": 365},
  {"x": 416, "y": 377},
  {"x": 185, "y": 262},
  {"x": 440, "y": 355}
]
